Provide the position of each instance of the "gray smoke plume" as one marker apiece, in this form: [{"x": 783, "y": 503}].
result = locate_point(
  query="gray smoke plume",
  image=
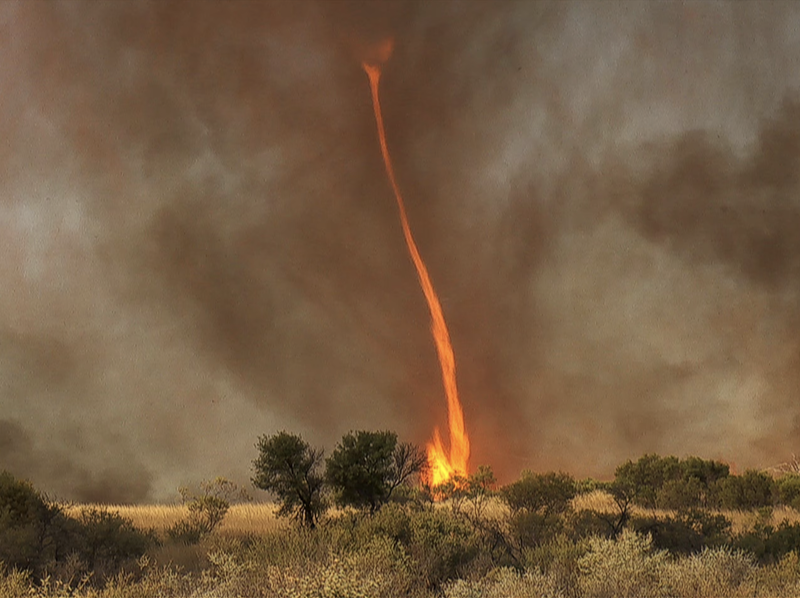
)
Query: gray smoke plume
[{"x": 200, "y": 245}]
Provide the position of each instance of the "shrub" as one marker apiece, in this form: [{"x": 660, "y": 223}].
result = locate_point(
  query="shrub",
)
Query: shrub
[
  {"x": 628, "y": 567},
  {"x": 713, "y": 572},
  {"x": 670, "y": 483},
  {"x": 686, "y": 533},
  {"x": 33, "y": 533},
  {"x": 558, "y": 559},
  {"x": 681, "y": 494},
  {"x": 751, "y": 490},
  {"x": 788, "y": 488},
  {"x": 646, "y": 477},
  {"x": 586, "y": 523},
  {"x": 546, "y": 494},
  {"x": 39, "y": 538},
  {"x": 528, "y": 529},
  {"x": 441, "y": 545},
  {"x": 107, "y": 541},
  {"x": 504, "y": 582},
  {"x": 207, "y": 509},
  {"x": 670, "y": 534},
  {"x": 769, "y": 544}
]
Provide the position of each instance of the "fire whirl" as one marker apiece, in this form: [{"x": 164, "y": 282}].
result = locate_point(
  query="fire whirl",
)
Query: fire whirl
[{"x": 442, "y": 466}]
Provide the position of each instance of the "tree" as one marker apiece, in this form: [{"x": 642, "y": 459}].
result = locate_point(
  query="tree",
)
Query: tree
[
  {"x": 289, "y": 467},
  {"x": 207, "y": 508},
  {"x": 366, "y": 467}
]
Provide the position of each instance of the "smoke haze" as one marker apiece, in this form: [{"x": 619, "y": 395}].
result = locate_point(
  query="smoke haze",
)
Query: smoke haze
[{"x": 200, "y": 245}]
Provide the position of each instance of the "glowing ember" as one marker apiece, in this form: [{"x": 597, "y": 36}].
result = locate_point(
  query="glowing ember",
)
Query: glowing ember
[{"x": 442, "y": 466}]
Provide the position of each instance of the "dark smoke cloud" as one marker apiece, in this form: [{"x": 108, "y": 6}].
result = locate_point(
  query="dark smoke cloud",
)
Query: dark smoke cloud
[{"x": 200, "y": 245}]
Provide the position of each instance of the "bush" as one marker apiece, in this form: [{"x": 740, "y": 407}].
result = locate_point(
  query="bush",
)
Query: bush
[
  {"x": 628, "y": 567},
  {"x": 712, "y": 572},
  {"x": 669, "y": 483},
  {"x": 558, "y": 559},
  {"x": 442, "y": 546},
  {"x": 546, "y": 494},
  {"x": 688, "y": 532},
  {"x": 505, "y": 582},
  {"x": 751, "y": 490},
  {"x": 769, "y": 544},
  {"x": 646, "y": 477},
  {"x": 527, "y": 529},
  {"x": 106, "y": 541},
  {"x": 33, "y": 533},
  {"x": 681, "y": 494},
  {"x": 207, "y": 509},
  {"x": 39, "y": 538},
  {"x": 788, "y": 488}
]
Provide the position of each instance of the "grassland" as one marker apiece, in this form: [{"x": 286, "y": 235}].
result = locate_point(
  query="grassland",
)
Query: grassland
[
  {"x": 241, "y": 519},
  {"x": 740, "y": 520}
]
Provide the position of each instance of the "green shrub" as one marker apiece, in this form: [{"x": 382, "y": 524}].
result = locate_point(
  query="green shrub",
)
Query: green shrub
[
  {"x": 769, "y": 544},
  {"x": 106, "y": 541},
  {"x": 788, "y": 487},
  {"x": 207, "y": 509},
  {"x": 688, "y": 532},
  {"x": 558, "y": 559},
  {"x": 33, "y": 533},
  {"x": 681, "y": 494},
  {"x": 546, "y": 494},
  {"x": 751, "y": 490},
  {"x": 589, "y": 485},
  {"x": 441, "y": 545},
  {"x": 670, "y": 483},
  {"x": 670, "y": 534},
  {"x": 646, "y": 477},
  {"x": 529, "y": 529},
  {"x": 587, "y": 523},
  {"x": 38, "y": 537}
]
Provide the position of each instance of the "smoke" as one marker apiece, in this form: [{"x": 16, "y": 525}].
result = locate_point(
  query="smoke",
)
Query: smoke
[{"x": 200, "y": 245}]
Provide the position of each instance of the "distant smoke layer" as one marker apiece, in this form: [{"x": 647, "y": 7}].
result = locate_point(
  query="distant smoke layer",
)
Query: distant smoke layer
[{"x": 200, "y": 246}]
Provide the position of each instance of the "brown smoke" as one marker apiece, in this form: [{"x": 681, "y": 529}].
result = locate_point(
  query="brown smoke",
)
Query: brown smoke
[{"x": 199, "y": 245}]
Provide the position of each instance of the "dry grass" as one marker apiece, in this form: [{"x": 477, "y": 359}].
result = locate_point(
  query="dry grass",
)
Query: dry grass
[
  {"x": 254, "y": 518},
  {"x": 743, "y": 520},
  {"x": 241, "y": 519},
  {"x": 601, "y": 501},
  {"x": 596, "y": 500}
]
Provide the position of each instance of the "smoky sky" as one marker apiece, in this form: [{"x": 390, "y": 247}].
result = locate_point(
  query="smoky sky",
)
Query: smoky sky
[{"x": 200, "y": 246}]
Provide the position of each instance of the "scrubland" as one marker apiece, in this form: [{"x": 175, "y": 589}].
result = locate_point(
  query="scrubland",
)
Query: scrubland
[
  {"x": 422, "y": 551},
  {"x": 663, "y": 528}
]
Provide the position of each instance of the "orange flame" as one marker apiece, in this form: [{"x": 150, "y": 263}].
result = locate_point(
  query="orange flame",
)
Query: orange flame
[{"x": 442, "y": 466}]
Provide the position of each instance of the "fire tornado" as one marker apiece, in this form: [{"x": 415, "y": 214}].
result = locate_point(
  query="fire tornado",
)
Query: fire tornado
[{"x": 442, "y": 466}]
